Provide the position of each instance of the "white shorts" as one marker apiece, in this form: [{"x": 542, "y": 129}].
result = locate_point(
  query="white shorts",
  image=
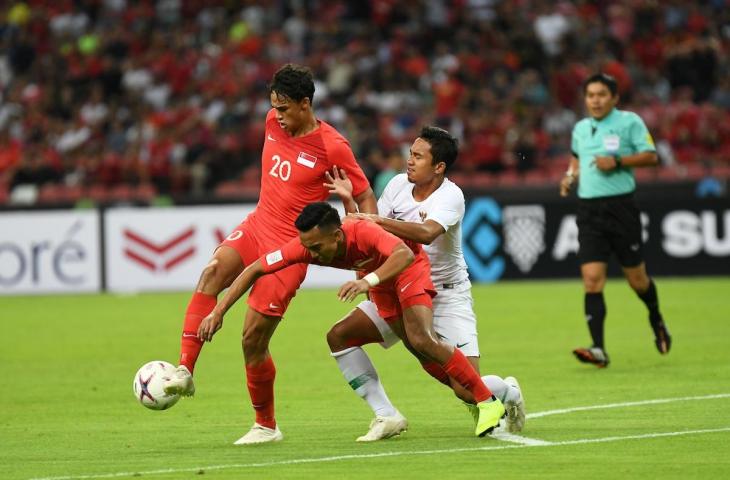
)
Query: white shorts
[{"x": 453, "y": 319}]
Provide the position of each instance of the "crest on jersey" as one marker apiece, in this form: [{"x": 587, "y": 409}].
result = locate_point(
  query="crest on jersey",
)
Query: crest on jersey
[
  {"x": 306, "y": 159},
  {"x": 524, "y": 234},
  {"x": 423, "y": 215}
]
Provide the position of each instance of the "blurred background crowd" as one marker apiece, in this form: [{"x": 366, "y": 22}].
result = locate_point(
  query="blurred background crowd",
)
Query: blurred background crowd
[{"x": 123, "y": 99}]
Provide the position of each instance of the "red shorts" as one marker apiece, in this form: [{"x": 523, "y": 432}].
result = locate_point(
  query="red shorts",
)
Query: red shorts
[
  {"x": 412, "y": 287},
  {"x": 271, "y": 293}
]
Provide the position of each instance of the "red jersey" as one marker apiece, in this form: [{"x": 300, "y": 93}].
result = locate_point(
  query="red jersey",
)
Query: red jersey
[
  {"x": 367, "y": 247},
  {"x": 292, "y": 174}
]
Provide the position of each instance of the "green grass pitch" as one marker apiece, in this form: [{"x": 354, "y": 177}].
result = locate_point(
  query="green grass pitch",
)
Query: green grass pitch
[{"x": 67, "y": 409}]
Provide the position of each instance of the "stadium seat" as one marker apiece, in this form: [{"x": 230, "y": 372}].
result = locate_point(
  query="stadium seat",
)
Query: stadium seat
[
  {"x": 720, "y": 171},
  {"x": 122, "y": 193},
  {"x": 72, "y": 194},
  {"x": 228, "y": 189},
  {"x": 50, "y": 194},
  {"x": 145, "y": 192},
  {"x": 508, "y": 178},
  {"x": 98, "y": 193},
  {"x": 668, "y": 174},
  {"x": 646, "y": 174}
]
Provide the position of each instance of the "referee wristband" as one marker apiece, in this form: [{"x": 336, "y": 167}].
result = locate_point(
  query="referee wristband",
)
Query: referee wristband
[
  {"x": 617, "y": 159},
  {"x": 372, "y": 279}
]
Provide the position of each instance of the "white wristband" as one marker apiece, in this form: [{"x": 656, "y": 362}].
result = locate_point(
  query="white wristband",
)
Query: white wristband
[{"x": 372, "y": 279}]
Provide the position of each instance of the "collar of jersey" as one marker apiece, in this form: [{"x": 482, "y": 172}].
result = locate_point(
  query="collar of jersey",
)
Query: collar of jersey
[{"x": 595, "y": 123}]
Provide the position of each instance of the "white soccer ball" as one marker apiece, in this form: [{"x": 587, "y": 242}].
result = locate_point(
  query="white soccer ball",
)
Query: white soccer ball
[{"x": 148, "y": 383}]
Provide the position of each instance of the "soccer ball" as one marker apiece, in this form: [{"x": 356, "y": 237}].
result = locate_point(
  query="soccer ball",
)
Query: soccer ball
[{"x": 148, "y": 383}]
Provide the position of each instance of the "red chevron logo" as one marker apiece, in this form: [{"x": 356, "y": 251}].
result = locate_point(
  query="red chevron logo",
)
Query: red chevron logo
[{"x": 158, "y": 257}]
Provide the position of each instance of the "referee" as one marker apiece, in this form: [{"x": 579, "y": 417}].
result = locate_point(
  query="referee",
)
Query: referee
[{"x": 607, "y": 145}]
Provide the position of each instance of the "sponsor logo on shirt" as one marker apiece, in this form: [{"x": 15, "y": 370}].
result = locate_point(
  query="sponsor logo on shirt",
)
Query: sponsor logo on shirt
[
  {"x": 274, "y": 257},
  {"x": 423, "y": 215},
  {"x": 306, "y": 159}
]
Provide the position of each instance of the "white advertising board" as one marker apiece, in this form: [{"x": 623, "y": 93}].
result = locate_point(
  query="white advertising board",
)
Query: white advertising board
[
  {"x": 154, "y": 249},
  {"x": 49, "y": 252}
]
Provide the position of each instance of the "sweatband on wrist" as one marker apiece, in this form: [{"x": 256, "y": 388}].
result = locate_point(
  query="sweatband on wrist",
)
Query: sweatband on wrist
[{"x": 372, "y": 279}]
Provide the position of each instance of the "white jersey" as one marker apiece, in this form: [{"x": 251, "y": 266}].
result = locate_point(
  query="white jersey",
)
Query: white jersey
[{"x": 446, "y": 207}]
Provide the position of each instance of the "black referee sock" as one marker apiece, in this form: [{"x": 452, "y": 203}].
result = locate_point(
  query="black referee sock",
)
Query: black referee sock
[
  {"x": 595, "y": 310},
  {"x": 651, "y": 300}
]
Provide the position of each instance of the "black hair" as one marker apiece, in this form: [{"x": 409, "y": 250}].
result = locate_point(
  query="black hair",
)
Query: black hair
[
  {"x": 318, "y": 214},
  {"x": 444, "y": 147},
  {"x": 603, "y": 78},
  {"x": 295, "y": 82}
]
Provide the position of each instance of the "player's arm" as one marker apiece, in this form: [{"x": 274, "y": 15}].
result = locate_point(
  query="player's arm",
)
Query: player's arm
[
  {"x": 398, "y": 260},
  {"x": 425, "y": 232},
  {"x": 214, "y": 321},
  {"x": 641, "y": 159},
  {"x": 366, "y": 201},
  {"x": 641, "y": 142},
  {"x": 570, "y": 177}
]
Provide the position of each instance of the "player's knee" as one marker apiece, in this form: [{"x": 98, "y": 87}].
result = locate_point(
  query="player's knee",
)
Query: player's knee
[
  {"x": 254, "y": 342},
  {"x": 337, "y": 337},
  {"x": 209, "y": 276},
  {"x": 422, "y": 343},
  {"x": 593, "y": 283},
  {"x": 639, "y": 284}
]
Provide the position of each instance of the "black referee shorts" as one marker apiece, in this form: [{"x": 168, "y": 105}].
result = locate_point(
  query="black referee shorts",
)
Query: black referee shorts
[{"x": 609, "y": 224}]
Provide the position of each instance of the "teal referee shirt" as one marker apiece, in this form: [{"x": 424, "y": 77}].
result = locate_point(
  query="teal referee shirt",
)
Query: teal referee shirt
[{"x": 619, "y": 132}]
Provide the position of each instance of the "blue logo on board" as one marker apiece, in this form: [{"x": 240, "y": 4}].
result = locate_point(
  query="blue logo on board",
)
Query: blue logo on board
[{"x": 481, "y": 227}]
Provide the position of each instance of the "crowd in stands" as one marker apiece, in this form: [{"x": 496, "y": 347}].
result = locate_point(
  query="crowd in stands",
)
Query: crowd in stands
[{"x": 134, "y": 98}]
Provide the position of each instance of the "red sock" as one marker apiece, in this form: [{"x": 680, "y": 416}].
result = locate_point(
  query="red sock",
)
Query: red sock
[
  {"x": 463, "y": 372},
  {"x": 199, "y": 307},
  {"x": 435, "y": 370},
  {"x": 260, "y": 382}
]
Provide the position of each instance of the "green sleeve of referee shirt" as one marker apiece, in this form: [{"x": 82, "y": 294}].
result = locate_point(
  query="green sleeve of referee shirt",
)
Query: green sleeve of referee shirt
[{"x": 641, "y": 139}]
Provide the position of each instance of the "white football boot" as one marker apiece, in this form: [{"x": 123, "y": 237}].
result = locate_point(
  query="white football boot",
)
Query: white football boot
[
  {"x": 180, "y": 383},
  {"x": 515, "y": 408},
  {"x": 385, "y": 427},
  {"x": 260, "y": 434}
]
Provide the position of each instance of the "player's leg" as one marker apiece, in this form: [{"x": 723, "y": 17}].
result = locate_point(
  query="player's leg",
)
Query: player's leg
[
  {"x": 268, "y": 300},
  {"x": 220, "y": 272},
  {"x": 627, "y": 244},
  {"x": 260, "y": 375},
  {"x": 418, "y": 325},
  {"x": 594, "y": 307},
  {"x": 594, "y": 252},
  {"x": 455, "y": 323},
  {"x": 645, "y": 288},
  {"x": 345, "y": 339}
]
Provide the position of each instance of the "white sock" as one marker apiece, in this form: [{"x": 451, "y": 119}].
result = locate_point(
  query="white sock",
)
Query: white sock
[
  {"x": 500, "y": 389},
  {"x": 360, "y": 373}
]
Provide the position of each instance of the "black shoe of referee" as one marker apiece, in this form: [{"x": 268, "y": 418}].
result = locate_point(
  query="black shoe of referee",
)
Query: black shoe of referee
[
  {"x": 595, "y": 355},
  {"x": 662, "y": 339}
]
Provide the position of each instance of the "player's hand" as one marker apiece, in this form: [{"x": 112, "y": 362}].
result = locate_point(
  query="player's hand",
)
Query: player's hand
[
  {"x": 369, "y": 217},
  {"x": 566, "y": 184},
  {"x": 605, "y": 164},
  {"x": 210, "y": 324},
  {"x": 352, "y": 289},
  {"x": 338, "y": 183}
]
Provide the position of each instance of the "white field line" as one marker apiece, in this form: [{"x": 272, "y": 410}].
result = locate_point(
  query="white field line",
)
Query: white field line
[
  {"x": 626, "y": 404},
  {"x": 512, "y": 438},
  {"x": 533, "y": 443}
]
